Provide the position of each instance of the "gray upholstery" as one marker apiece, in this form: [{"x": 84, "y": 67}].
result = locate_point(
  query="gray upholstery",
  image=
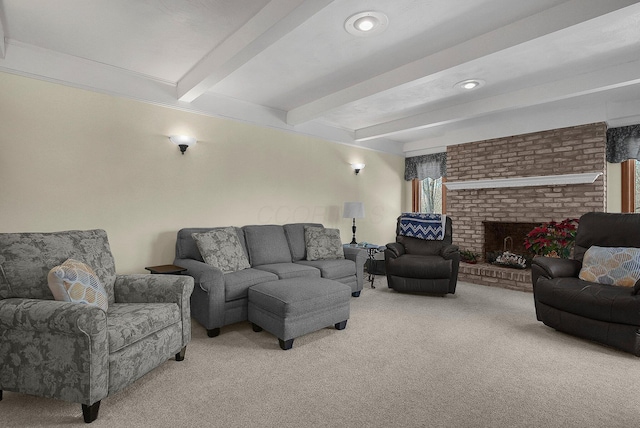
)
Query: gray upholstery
[
  {"x": 221, "y": 299},
  {"x": 84, "y": 353},
  {"x": 267, "y": 244},
  {"x": 419, "y": 265},
  {"x": 291, "y": 270},
  {"x": 237, "y": 283},
  {"x": 293, "y": 307},
  {"x": 295, "y": 238},
  {"x": 608, "y": 314}
]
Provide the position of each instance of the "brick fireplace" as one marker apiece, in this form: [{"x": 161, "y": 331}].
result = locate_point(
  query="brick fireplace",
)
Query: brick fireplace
[{"x": 574, "y": 150}]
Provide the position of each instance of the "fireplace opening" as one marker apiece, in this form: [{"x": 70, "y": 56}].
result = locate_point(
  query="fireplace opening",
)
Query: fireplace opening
[{"x": 504, "y": 243}]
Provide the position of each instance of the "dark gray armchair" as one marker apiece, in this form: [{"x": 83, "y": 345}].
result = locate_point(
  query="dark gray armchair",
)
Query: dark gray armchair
[
  {"x": 418, "y": 265},
  {"x": 608, "y": 314}
]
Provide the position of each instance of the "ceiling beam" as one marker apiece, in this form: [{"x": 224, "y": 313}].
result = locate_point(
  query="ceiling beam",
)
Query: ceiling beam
[
  {"x": 533, "y": 27},
  {"x": 575, "y": 86},
  {"x": 274, "y": 21}
]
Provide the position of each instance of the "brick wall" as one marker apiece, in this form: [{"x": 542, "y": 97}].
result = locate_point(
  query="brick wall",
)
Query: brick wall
[{"x": 577, "y": 149}]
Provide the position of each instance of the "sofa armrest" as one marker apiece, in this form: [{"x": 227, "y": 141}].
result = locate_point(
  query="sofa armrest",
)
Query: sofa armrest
[
  {"x": 205, "y": 276},
  {"x": 37, "y": 333},
  {"x": 145, "y": 288},
  {"x": 209, "y": 293},
  {"x": 359, "y": 256},
  {"x": 394, "y": 250},
  {"x": 551, "y": 267}
]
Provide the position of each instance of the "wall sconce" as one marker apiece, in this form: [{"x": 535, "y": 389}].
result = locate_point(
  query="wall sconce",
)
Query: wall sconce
[
  {"x": 182, "y": 141},
  {"x": 357, "y": 167}
]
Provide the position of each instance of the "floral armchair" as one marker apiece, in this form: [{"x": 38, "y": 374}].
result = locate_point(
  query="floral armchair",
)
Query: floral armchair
[{"x": 78, "y": 352}]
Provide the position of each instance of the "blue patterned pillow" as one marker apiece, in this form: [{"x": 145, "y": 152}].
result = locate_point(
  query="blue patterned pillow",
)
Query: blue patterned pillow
[
  {"x": 74, "y": 281},
  {"x": 611, "y": 265}
]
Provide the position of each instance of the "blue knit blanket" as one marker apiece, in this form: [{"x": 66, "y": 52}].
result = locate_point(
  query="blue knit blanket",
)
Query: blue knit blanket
[{"x": 423, "y": 226}]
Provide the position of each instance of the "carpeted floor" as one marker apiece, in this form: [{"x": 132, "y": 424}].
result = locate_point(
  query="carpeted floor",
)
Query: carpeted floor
[{"x": 478, "y": 358}]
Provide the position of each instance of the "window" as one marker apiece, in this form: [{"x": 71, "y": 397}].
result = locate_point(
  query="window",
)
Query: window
[{"x": 429, "y": 196}]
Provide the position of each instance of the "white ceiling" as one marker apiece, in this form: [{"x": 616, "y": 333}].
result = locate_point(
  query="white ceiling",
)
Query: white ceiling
[{"x": 290, "y": 64}]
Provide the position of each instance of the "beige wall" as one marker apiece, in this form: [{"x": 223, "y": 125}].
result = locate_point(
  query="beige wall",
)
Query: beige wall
[{"x": 74, "y": 159}]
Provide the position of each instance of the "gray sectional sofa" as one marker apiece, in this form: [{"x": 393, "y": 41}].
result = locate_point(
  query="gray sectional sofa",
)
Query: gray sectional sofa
[{"x": 274, "y": 252}]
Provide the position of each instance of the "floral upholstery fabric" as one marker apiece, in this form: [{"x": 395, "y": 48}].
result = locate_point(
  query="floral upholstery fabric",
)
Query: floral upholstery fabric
[
  {"x": 74, "y": 281},
  {"x": 323, "y": 244},
  {"x": 127, "y": 323},
  {"x": 142, "y": 288},
  {"x": 27, "y": 258},
  {"x": 54, "y": 349},
  {"x": 81, "y": 353},
  {"x": 221, "y": 248},
  {"x": 611, "y": 265}
]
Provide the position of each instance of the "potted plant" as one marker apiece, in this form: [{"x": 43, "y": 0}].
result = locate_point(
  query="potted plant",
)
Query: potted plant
[
  {"x": 469, "y": 256},
  {"x": 553, "y": 239}
]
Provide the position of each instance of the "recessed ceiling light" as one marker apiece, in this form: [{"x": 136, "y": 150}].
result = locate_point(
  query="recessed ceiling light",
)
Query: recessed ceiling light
[
  {"x": 366, "y": 23},
  {"x": 469, "y": 84}
]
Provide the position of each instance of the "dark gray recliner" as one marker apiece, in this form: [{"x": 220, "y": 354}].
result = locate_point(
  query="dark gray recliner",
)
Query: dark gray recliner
[
  {"x": 607, "y": 314},
  {"x": 418, "y": 265}
]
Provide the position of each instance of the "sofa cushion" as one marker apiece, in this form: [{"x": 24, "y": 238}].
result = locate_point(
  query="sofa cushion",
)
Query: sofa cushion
[
  {"x": 186, "y": 247},
  {"x": 129, "y": 322},
  {"x": 295, "y": 237},
  {"x": 267, "y": 244},
  {"x": 291, "y": 270},
  {"x": 221, "y": 248},
  {"x": 609, "y": 303},
  {"x": 74, "y": 281},
  {"x": 323, "y": 244},
  {"x": 332, "y": 269},
  {"x": 419, "y": 266},
  {"x": 611, "y": 265},
  {"x": 237, "y": 283}
]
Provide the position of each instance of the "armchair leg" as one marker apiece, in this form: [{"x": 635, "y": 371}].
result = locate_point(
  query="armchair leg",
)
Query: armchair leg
[
  {"x": 355, "y": 294},
  {"x": 90, "y": 413},
  {"x": 180, "y": 355},
  {"x": 213, "y": 332},
  {"x": 0, "y": 395}
]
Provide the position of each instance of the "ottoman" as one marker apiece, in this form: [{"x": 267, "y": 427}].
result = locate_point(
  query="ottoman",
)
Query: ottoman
[{"x": 289, "y": 308}]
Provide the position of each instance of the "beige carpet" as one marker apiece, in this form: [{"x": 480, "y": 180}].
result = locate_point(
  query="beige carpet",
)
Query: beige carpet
[{"x": 478, "y": 358}]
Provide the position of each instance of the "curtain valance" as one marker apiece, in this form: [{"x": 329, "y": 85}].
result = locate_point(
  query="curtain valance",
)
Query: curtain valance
[
  {"x": 623, "y": 143},
  {"x": 433, "y": 166}
]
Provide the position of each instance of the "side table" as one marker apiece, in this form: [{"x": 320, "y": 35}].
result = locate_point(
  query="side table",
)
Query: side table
[
  {"x": 166, "y": 269},
  {"x": 372, "y": 250}
]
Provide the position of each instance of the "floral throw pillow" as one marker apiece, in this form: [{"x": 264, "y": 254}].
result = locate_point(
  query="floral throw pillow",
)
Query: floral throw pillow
[
  {"x": 323, "y": 244},
  {"x": 221, "y": 248},
  {"x": 611, "y": 265},
  {"x": 74, "y": 281}
]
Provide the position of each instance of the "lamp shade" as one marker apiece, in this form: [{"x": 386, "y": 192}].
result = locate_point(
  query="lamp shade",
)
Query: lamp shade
[{"x": 353, "y": 210}]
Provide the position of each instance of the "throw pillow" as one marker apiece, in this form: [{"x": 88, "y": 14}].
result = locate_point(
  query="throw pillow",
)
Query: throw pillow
[
  {"x": 221, "y": 248},
  {"x": 323, "y": 244},
  {"x": 611, "y": 265},
  {"x": 74, "y": 281}
]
